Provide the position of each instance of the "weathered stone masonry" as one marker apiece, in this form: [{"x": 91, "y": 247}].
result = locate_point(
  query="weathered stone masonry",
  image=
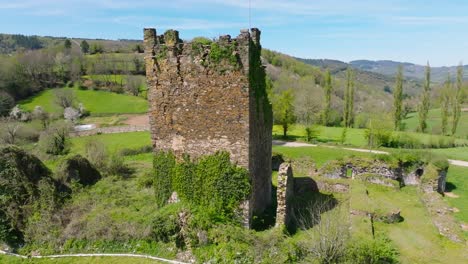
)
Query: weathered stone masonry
[{"x": 206, "y": 97}]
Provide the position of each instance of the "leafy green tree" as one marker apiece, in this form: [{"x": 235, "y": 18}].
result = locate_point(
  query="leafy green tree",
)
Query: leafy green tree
[
  {"x": 445, "y": 103},
  {"x": 84, "y": 46},
  {"x": 348, "y": 109},
  {"x": 96, "y": 48},
  {"x": 398, "y": 99},
  {"x": 6, "y": 103},
  {"x": 138, "y": 48},
  {"x": 328, "y": 92},
  {"x": 457, "y": 102},
  {"x": 283, "y": 110},
  {"x": 425, "y": 102},
  {"x": 67, "y": 44}
]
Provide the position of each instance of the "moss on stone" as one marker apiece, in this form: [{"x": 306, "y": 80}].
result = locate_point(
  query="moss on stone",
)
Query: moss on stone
[{"x": 223, "y": 52}]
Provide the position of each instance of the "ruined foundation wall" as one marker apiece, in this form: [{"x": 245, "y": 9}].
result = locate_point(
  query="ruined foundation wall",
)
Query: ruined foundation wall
[
  {"x": 284, "y": 194},
  {"x": 207, "y": 97}
]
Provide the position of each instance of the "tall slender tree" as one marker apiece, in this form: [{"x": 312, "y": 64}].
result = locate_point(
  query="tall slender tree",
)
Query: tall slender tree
[
  {"x": 445, "y": 103},
  {"x": 457, "y": 101},
  {"x": 398, "y": 99},
  {"x": 425, "y": 102},
  {"x": 84, "y": 46},
  {"x": 328, "y": 92},
  {"x": 348, "y": 109}
]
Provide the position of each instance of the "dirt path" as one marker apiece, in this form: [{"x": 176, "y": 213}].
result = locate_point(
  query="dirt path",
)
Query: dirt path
[
  {"x": 451, "y": 195},
  {"x": 137, "y": 120},
  {"x": 94, "y": 255},
  {"x": 301, "y": 144}
]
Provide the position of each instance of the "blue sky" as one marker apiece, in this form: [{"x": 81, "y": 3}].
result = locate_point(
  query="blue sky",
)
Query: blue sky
[{"x": 402, "y": 30}]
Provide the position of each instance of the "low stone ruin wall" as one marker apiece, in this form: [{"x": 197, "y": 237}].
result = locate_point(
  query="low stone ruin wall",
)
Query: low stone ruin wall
[
  {"x": 376, "y": 171},
  {"x": 284, "y": 193},
  {"x": 109, "y": 130}
]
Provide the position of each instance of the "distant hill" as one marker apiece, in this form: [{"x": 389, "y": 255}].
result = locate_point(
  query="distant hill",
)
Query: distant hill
[
  {"x": 375, "y": 80},
  {"x": 10, "y": 43},
  {"x": 387, "y": 67}
]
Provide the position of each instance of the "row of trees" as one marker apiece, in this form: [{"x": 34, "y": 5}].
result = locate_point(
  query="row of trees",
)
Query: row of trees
[
  {"x": 26, "y": 73},
  {"x": 295, "y": 104},
  {"x": 451, "y": 99},
  {"x": 291, "y": 105}
]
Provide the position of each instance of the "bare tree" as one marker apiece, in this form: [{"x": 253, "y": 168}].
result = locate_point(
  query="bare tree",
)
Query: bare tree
[
  {"x": 132, "y": 85},
  {"x": 40, "y": 114},
  {"x": 9, "y": 131},
  {"x": 64, "y": 97}
]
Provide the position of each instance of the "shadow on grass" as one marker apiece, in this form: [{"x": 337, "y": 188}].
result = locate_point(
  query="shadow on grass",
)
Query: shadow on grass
[
  {"x": 287, "y": 138},
  {"x": 449, "y": 187},
  {"x": 307, "y": 205},
  {"x": 267, "y": 219}
]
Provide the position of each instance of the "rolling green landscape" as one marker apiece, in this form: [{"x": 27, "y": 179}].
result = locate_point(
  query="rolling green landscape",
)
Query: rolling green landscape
[
  {"x": 97, "y": 102},
  {"x": 379, "y": 155}
]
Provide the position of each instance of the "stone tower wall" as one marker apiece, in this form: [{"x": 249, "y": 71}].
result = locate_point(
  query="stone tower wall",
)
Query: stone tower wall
[{"x": 206, "y": 97}]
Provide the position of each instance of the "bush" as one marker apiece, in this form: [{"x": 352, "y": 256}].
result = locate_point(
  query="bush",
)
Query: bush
[
  {"x": 96, "y": 153},
  {"x": 78, "y": 169},
  {"x": 6, "y": 103},
  {"x": 140, "y": 150},
  {"x": 375, "y": 251},
  {"x": 165, "y": 226},
  {"x": 312, "y": 133},
  {"x": 116, "y": 165},
  {"x": 24, "y": 179},
  {"x": 55, "y": 140},
  {"x": 378, "y": 137}
]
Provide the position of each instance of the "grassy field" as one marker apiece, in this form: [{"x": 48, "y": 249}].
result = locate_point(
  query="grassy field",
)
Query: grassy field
[
  {"x": 434, "y": 123},
  {"x": 116, "y": 78},
  {"x": 319, "y": 155},
  {"x": 354, "y": 136},
  {"x": 453, "y": 153},
  {"x": 457, "y": 183},
  {"x": 114, "y": 142},
  {"x": 125, "y": 205},
  {"x": 417, "y": 239},
  {"x": 97, "y": 102},
  {"x": 115, "y": 61}
]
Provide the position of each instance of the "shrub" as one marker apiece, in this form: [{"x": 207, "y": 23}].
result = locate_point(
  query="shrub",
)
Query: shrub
[
  {"x": 165, "y": 226},
  {"x": 116, "y": 165},
  {"x": 375, "y": 251},
  {"x": 78, "y": 169},
  {"x": 24, "y": 179},
  {"x": 96, "y": 153},
  {"x": 140, "y": 150},
  {"x": 378, "y": 137},
  {"x": 55, "y": 140},
  {"x": 312, "y": 133},
  {"x": 6, "y": 103}
]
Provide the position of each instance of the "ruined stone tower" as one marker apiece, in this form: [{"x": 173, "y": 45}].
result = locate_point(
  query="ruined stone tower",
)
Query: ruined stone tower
[{"x": 207, "y": 96}]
